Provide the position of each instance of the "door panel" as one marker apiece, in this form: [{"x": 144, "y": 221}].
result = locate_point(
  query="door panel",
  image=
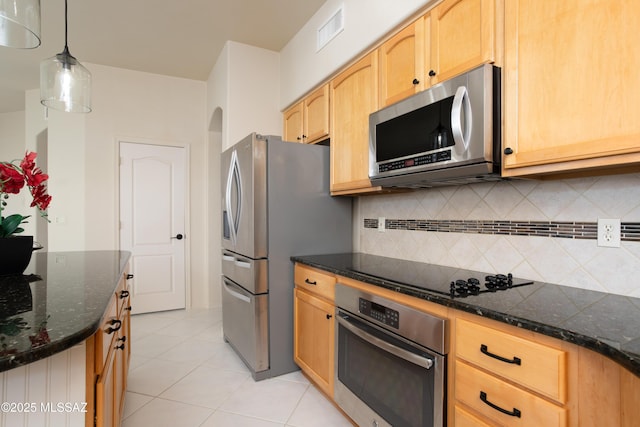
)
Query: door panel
[
  {"x": 152, "y": 214},
  {"x": 245, "y": 324},
  {"x": 244, "y": 194}
]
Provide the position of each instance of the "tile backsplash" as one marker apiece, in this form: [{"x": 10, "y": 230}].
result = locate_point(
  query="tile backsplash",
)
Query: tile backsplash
[{"x": 541, "y": 230}]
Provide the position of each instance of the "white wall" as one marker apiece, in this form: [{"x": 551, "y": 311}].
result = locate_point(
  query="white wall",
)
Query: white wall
[
  {"x": 12, "y": 147},
  {"x": 244, "y": 85},
  {"x": 366, "y": 22},
  {"x": 83, "y": 158}
]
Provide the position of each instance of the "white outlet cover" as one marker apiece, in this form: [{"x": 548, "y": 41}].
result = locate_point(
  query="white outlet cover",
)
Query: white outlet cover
[{"x": 609, "y": 233}]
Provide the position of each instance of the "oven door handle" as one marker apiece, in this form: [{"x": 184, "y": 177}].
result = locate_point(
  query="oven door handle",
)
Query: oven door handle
[{"x": 384, "y": 345}]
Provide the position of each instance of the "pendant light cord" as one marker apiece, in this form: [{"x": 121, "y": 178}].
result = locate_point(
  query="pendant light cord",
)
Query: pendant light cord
[{"x": 66, "y": 47}]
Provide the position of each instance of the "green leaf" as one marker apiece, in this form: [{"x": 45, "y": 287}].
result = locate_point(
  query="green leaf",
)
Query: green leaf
[{"x": 11, "y": 225}]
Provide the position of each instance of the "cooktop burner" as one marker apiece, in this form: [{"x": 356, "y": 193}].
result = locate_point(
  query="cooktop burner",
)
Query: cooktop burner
[
  {"x": 461, "y": 288},
  {"x": 449, "y": 281}
]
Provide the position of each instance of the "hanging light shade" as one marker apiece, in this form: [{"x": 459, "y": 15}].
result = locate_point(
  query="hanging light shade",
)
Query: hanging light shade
[
  {"x": 65, "y": 84},
  {"x": 20, "y": 23}
]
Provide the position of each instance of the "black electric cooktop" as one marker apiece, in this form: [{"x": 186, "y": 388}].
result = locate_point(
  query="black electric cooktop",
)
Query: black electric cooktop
[{"x": 450, "y": 281}]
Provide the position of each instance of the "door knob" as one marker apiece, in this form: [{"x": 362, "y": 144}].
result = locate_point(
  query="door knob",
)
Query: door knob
[{"x": 178, "y": 236}]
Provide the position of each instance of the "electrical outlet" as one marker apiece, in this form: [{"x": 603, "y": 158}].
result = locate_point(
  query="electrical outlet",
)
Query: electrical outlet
[
  {"x": 382, "y": 224},
  {"x": 609, "y": 233}
]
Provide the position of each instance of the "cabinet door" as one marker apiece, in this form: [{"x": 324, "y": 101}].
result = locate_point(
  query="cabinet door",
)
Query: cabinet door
[
  {"x": 402, "y": 64},
  {"x": 353, "y": 96},
  {"x": 571, "y": 85},
  {"x": 292, "y": 130},
  {"x": 316, "y": 115},
  {"x": 463, "y": 36},
  {"x": 314, "y": 338},
  {"x": 105, "y": 394}
]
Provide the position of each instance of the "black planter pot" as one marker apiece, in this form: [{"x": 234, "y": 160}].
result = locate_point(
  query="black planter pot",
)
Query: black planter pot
[{"x": 15, "y": 254}]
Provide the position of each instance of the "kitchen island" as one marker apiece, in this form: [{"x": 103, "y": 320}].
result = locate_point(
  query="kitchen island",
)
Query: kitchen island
[
  {"x": 63, "y": 347},
  {"x": 561, "y": 355}
]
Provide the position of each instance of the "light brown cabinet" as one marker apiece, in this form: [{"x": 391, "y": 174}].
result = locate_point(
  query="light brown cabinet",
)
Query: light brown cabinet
[
  {"x": 111, "y": 351},
  {"x": 499, "y": 376},
  {"x": 353, "y": 96},
  {"x": 308, "y": 120},
  {"x": 314, "y": 326},
  {"x": 402, "y": 63},
  {"x": 464, "y": 34},
  {"x": 571, "y": 87},
  {"x": 556, "y": 383}
]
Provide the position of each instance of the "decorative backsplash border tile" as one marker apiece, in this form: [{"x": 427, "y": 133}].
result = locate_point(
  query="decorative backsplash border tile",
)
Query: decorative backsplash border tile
[{"x": 629, "y": 231}]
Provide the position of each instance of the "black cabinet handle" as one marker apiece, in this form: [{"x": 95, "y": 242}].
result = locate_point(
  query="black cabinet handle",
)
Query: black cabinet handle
[
  {"x": 124, "y": 294},
  {"x": 415, "y": 81},
  {"x": 310, "y": 282},
  {"x": 128, "y": 308},
  {"x": 178, "y": 236},
  {"x": 129, "y": 276},
  {"x": 119, "y": 347},
  {"x": 329, "y": 316},
  {"x": 515, "y": 413},
  {"x": 118, "y": 325},
  {"x": 432, "y": 73},
  {"x": 508, "y": 151},
  {"x": 515, "y": 361}
]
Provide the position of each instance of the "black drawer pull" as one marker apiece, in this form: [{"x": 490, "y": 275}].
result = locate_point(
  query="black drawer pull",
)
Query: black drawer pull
[
  {"x": 119, "y": 347},
  {"x": 124, "y": 294},
  {"x": 515, "y": 413},
  {"x": 515, "y": 361},
  {"x": 310, "y": 282},
  {"x": 129, "y": 276},
  {"x": 118, "y": 325},
  {"x": 329, "y": 316}
]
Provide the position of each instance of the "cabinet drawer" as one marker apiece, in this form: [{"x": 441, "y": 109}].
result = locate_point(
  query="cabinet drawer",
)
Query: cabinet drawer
[
  {"x": 503, "y": 402},
  {"x": 122, "y": 294},
  {"x": 465, "y": 419},
  {"x": 315, "y": 281},
  {"x": 105, "y": 335},
  {"x": 535, "y": 366}
]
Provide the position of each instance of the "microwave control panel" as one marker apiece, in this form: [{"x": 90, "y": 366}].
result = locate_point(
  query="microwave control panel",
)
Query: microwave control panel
[
  {"x": 424, "y": 159},
  {"x": 380, "y": 313}
]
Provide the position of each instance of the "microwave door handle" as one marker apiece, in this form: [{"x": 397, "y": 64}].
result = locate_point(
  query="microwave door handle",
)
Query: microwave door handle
[
  {"x": 461, "y": 100},
  {"x": 386, "y": 346}
]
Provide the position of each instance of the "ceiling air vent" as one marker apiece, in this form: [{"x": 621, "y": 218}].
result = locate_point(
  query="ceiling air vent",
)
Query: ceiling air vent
[{"x": 331, "y": 28}]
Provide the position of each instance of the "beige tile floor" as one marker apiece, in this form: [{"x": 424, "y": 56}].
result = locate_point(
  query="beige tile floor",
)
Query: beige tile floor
[{"x": 182, "y": 373}]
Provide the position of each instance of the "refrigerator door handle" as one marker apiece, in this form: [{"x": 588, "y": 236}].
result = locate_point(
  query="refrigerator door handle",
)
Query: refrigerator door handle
[
  {"x": 227, "y": 287},
  {"x": 234, "y": 177}
]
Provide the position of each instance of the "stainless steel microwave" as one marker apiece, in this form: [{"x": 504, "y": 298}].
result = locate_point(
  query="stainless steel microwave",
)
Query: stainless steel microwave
[{"x": 447, "y": 134}]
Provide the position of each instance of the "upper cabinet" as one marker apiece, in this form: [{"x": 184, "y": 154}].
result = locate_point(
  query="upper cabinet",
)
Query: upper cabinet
[
  {"x": 308, "y": 120},
  {"x": 571, "y": 86},
  {"x": 402, "y": 63},
  {"x": 463, "y": 35},
  {"x": 353, "y": 95}
]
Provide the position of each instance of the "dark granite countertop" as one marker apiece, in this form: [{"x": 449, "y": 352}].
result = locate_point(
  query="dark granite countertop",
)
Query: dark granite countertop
[
  {"x": 58, "y": 302},
  {"x": 606, "y": 323}
]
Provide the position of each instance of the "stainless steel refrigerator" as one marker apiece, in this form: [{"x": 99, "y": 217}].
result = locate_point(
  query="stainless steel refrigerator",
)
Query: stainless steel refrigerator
[{"x": 275, "y": 204}]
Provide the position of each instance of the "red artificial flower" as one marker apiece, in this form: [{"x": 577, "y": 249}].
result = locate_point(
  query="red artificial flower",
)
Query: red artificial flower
[
  {"x": 40, "y": 197},
  {"x": 11, "y": 180},
  {"x": 32, "y": 174}
]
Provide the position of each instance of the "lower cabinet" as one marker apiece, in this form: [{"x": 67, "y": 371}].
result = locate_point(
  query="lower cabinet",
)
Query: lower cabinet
[
  {"x": 110, "y": 361},
  {"x": 314, "y": 326},
  {"x": 499, "y": 375}
]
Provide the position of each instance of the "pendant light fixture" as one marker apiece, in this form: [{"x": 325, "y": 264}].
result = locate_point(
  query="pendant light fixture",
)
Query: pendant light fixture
[
  {"x": 20, "y": 23},
  {"x": 65, "y": 84}
]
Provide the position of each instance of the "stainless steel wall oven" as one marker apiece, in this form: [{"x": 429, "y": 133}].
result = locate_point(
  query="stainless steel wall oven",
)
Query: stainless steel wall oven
[{"x": 390, "y": 362}]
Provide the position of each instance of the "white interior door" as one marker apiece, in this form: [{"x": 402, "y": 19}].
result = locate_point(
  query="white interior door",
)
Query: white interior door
[{"x": 152, "y": 223}]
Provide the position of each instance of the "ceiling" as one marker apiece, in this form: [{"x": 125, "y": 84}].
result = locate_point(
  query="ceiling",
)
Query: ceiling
[{"x": 174, "y": 38}]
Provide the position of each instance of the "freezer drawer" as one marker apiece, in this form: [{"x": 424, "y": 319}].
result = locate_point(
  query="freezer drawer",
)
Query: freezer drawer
[
  {"x": 245, "y": 324},
  {"x": 250, "y": 273}
]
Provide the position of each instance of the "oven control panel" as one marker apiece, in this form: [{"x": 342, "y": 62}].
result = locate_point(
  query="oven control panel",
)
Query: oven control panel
[{"x": 380, "y": 313}]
